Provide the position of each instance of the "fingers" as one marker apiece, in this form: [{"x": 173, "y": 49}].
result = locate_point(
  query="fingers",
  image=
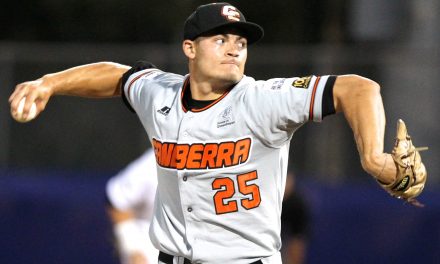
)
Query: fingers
[
  {"x": 17, "y": 95},
  {"x": 31, "y": 93},
  {"x": 401, "y": 130}
]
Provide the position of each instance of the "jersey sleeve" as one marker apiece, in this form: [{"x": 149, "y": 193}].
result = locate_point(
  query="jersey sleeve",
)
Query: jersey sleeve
[
  {"x": 130, "y": 81},
  {"x": 284, "y": 104},
  {"x": 305, "y": 98},
  {"x": 135, "y": 186},
  {"x": 316, "y": 95},
  {"x": 144, "y": 87},
  {"x": 139, "y": 66}
]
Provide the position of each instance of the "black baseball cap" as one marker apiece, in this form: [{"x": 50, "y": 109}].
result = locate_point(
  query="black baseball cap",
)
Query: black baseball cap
[{"x": 216, "y": 16}]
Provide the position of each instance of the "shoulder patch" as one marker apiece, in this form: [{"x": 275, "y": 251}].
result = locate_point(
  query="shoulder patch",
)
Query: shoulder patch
[{"x": 302, "y": 82}]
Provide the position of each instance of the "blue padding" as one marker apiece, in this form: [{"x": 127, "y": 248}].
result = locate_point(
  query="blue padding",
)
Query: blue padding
[{"x": 59, "y": 217}]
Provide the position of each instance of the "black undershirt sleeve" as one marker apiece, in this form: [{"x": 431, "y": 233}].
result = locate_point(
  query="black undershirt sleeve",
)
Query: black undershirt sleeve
[
  {"x": 139, "y": 66},
  {"x": 328, "y": 106}
]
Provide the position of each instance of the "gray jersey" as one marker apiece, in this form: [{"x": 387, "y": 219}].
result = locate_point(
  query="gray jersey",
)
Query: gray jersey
[{"x": 221, "y": 169}]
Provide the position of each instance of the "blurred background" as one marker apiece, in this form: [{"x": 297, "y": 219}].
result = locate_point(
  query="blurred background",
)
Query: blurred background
[{"x": 53, "y": 170}]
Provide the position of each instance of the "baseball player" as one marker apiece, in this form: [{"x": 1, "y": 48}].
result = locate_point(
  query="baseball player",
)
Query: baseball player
[
  {"x": 221, "y": 138},
  {"x": 130, "y": 196},
  {"x": 295, "y": 223}
]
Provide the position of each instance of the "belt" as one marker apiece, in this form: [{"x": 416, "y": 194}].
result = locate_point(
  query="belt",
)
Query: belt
[{"x": 168, "y": 259}]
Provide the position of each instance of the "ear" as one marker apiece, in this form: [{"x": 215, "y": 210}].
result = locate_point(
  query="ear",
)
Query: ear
[{"x": 188, "y": 48}]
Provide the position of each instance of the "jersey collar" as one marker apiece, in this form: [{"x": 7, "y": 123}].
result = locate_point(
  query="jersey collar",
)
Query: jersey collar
[{"x": 185, "y": 96}]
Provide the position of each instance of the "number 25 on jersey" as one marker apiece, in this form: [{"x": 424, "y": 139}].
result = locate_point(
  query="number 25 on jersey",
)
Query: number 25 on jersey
[{"x": 223, "y": 198}]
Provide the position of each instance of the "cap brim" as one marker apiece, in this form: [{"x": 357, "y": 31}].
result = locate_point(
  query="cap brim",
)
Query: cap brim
[{"x": 251, "y": 31}]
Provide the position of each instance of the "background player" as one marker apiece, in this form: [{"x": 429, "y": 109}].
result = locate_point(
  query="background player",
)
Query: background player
[
  {"x": 295, "y": 223},
  {"x": 221, "y": 138},
  {"x": 130, "y": 196}
]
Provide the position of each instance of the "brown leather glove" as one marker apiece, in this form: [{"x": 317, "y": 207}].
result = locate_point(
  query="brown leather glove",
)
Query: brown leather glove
[{"x": 411, "y": 173}]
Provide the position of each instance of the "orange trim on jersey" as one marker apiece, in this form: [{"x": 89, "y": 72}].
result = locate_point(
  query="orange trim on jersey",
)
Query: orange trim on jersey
[
  {"x": 312, "y": 100},
  {"x": 201, "y": 156},
  {"x": 185, "y": 85},
  {"x": 135, "y": 79},
  {"x": 211, "y": 104}
]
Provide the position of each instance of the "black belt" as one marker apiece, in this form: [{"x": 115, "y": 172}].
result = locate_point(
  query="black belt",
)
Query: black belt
[{"x": 168, "y": 259}]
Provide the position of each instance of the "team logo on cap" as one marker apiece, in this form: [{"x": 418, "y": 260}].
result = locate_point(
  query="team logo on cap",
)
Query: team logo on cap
[{"x": 231, "y": 13}]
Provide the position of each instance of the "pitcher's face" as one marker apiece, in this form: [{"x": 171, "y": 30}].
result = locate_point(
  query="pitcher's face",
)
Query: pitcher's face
[{"x": 220, "y": 57}]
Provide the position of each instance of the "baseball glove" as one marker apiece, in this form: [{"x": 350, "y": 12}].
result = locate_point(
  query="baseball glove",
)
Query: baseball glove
[{"x": 411, "y": 173}]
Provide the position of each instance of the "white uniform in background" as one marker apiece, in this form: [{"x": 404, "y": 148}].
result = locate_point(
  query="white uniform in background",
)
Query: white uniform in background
[{"x": 134, "y": 189}]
